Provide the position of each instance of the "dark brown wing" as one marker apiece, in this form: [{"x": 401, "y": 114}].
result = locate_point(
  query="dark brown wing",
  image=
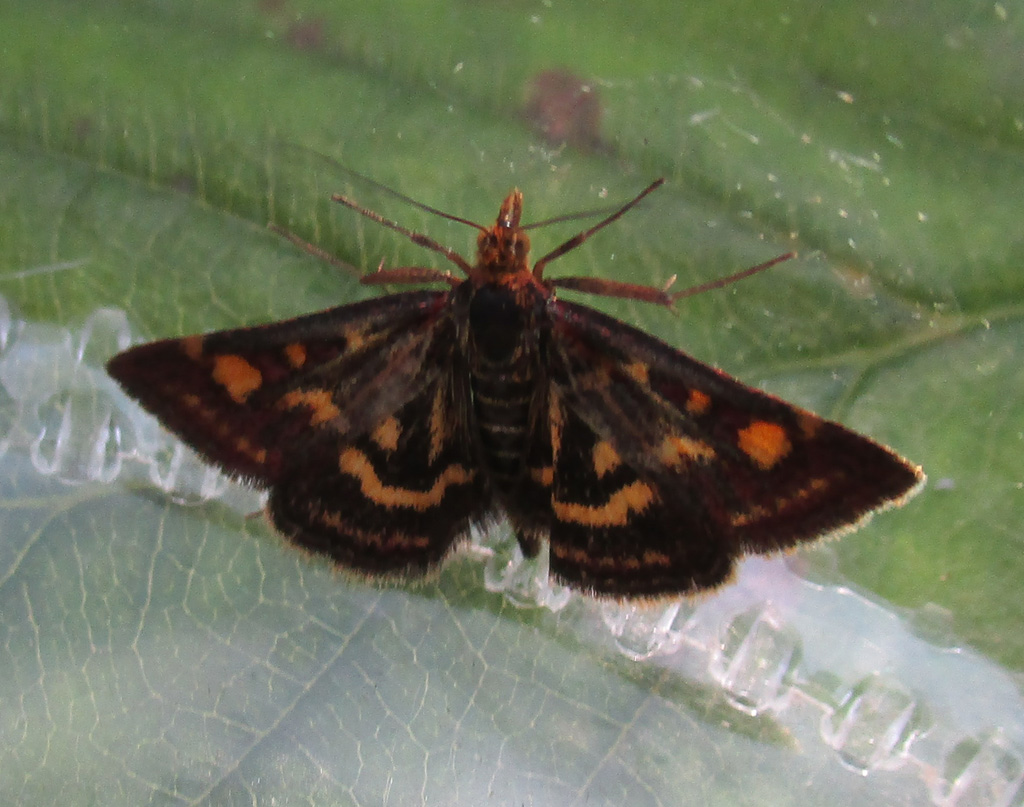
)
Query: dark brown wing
[
  {"x": 249, "y": 399},
  {"x": 356, "y": 418},
  {"x": 665, "y": 470}
]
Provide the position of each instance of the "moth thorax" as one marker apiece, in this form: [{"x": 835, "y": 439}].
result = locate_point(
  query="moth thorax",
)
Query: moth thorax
[{"x": 497, "y": 323}]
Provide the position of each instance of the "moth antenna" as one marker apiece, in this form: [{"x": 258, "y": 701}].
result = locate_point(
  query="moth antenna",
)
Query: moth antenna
[
  {"x": 582, "y": 214},
  {"x": 407, "y": 199},
  {"x": 419, "y": 239}
]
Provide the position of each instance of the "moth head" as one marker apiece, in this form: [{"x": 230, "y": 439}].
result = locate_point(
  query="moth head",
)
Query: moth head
[{"x": 505, "y": 246}]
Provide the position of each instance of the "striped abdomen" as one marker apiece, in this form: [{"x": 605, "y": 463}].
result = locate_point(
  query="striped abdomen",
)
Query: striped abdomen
[
  {"x": 501, "y": 399},
  {"x": 503, "y": 369}
]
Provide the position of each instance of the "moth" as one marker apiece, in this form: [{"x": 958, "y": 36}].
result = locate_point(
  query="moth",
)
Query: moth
[{"x": 386, "y": 429}]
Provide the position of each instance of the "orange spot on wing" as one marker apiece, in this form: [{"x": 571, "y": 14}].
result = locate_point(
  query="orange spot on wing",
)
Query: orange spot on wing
[
  {"x": 319, "y": 401},
  {"x": 765, "y": 443},
  {"x": 638, "y": 371},
  {"x": 439, "y": 431},
  {"x": 677, "y": 448},
  {"x": 356, "y": 464},
  {"x": 652, "y": 558},
  {"x": 605, "y": 458},
  {"x": 577, "y": 556},
  {"x": 354, "y": 338},
  {"x": 752, "y": 516},
  {"x": 239, "y": 378},
  {"x": 296, "y": 354},
  {"x": 387, "y": 434},
  {"x": 634, "y": 498},
  {"x": 557, "y": 415},
  {"x": 697, "y": 403}
]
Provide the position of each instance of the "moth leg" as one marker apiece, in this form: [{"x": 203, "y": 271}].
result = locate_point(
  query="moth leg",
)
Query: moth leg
[{"x": 652, "y": 294}]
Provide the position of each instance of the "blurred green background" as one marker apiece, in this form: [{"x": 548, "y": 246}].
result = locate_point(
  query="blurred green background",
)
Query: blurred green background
[{"x": 151, "y": 142}]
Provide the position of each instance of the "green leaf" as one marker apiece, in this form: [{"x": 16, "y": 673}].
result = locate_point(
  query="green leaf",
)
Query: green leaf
[{"x": 160, "y": 653}]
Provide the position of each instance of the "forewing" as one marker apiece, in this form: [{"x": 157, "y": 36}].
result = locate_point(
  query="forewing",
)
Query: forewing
[
  {"x": 684, "y": 468},
  {"x": 252, "y": 399}
]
